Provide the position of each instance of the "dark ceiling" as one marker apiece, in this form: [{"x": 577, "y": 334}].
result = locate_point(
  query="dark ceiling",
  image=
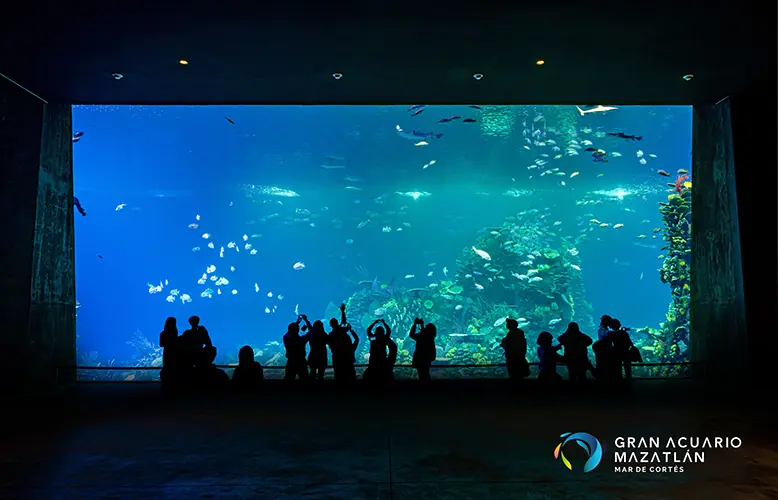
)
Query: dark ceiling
[{"x": 596, "y": 52}]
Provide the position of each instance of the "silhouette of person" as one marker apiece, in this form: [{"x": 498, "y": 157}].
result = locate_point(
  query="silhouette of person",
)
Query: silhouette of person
[
  {"x": 295, "y": 351},
  {"x": 391, "y": 360},
  {"x": 377, "y": 371},
  {"x": 604, "y": 328},
  {"x": 425, "y": 352},
  {"x": 548, "y": 358},
  {"x": 576, "y": 344},
  {"x": 604, "y": 357},
  {"x": 515, "y": 346},
  {"x": 208, "y": 375},
  {"x": 344, "y": 348},
  {"x": 248, "y": 375},
  {"x": 191, "y": 348},
  {"x": 317, "y": 356},
  {"x": 168, "y": 341},
  {"x": 625, "y": 351}
]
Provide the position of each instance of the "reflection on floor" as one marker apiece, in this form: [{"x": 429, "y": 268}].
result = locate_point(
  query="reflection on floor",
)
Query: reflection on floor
[{"x": 466, "y": 440}]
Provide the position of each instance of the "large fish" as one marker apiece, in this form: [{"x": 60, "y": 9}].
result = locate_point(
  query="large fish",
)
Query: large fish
[
  {"x": 386, "y": 290},
  {"x": 415, "y": 135},
  {"x": 596, "y": 109}
]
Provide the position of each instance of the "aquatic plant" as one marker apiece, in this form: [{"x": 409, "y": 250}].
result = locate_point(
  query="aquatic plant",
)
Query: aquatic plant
[{"x": 147, "y": 352}]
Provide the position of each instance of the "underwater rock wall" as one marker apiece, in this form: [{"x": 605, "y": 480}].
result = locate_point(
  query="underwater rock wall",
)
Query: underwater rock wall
[{"x": 671, "y": 339}]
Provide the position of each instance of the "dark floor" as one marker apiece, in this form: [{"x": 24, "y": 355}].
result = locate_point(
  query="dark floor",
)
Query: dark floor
[{"x": 467, "y": 439}]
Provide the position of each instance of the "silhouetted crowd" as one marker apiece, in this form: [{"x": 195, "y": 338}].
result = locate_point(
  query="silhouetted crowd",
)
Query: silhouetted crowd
[{"x": 188, "y": 359}]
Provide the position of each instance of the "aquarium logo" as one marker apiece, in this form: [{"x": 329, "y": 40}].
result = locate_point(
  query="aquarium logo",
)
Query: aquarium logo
[{"x": 589, "y": 443}]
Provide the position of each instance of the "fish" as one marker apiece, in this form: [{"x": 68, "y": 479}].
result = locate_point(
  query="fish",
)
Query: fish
[
  {"x": 386, "y": 290},
  {"x": 417, "y": 134},
  {"x": 482, "y": 254},
  {"x": 417, "y": 112},
  {"x": 622, "y": 135},
  {"x": 663, "y": 173},
  {"x": 193, "y": 225},
  {"x": 574, "y": 174},
  {"x": 449, "y": 119},
  {"x": 409, "y": 276},
  {"x": 554, "y": 321},
  {"x": 298, "y": 266},
  {"x": 77, "y": 136},
  {"x": 468, "y": 120},
  {"x": 422, "y": 143},
  {"x": 229, "y": 120},
  {"x": 121, "y": 206},
  {"x": 596, "y": 109},
  {"x": 616, "y": 226}
]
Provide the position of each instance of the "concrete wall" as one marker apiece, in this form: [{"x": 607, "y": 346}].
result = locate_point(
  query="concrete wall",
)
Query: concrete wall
[
  {"x": 754, "y": 133},
  {"x": 36, "y": 248},
  {"x": 718, "y": 335}
]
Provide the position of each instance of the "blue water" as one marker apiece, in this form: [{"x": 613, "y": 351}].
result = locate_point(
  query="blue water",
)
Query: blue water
[{"x": 167, "y": 165}]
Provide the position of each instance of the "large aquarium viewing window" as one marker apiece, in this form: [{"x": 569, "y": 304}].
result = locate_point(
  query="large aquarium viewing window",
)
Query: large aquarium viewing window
[{"x": 463, "y": 215}]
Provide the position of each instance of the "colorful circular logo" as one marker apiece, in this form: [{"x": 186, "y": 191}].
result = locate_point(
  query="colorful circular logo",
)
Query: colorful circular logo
[{"x": 589, "y": 443}]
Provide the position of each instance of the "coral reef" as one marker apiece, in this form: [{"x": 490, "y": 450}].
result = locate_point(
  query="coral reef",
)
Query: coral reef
[
  {"x": 671, "y": 339},
  {"x": 519, "y": 270}
]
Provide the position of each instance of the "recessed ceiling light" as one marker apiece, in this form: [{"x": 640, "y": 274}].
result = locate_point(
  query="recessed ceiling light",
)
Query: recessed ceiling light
[
  {"x": 337, "y": 76},
  {"x": 540, "y": 62},
  {"x": 183, "y": 62},
  {"x": 117, "y": 76},
  {"x": 688, "y": 77},
  {"x": 478, "y": 76}
]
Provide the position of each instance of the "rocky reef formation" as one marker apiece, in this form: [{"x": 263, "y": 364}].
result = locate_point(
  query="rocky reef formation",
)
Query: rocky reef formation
[
  {"x": 671, "y": 339},
  {"x": 519, "y": 270}
]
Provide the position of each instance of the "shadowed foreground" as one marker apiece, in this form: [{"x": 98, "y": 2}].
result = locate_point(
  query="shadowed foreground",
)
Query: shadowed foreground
[{"x": 468, "y": 439}]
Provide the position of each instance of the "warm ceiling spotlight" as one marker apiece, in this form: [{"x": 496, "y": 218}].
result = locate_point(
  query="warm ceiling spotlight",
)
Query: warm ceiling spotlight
[
  {"x": 478, "y": 76},
  {"x": 688, "y": 77},
  {"x": 337, "y": 76},
  {"x": 117, "y": 76},
  {"x": 540, "y": 62},
  {"x": 183, "y": 62}
]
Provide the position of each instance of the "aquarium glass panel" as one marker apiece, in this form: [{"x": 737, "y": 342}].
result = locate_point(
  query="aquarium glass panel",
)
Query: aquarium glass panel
[{"x": 462, "y": 215}]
